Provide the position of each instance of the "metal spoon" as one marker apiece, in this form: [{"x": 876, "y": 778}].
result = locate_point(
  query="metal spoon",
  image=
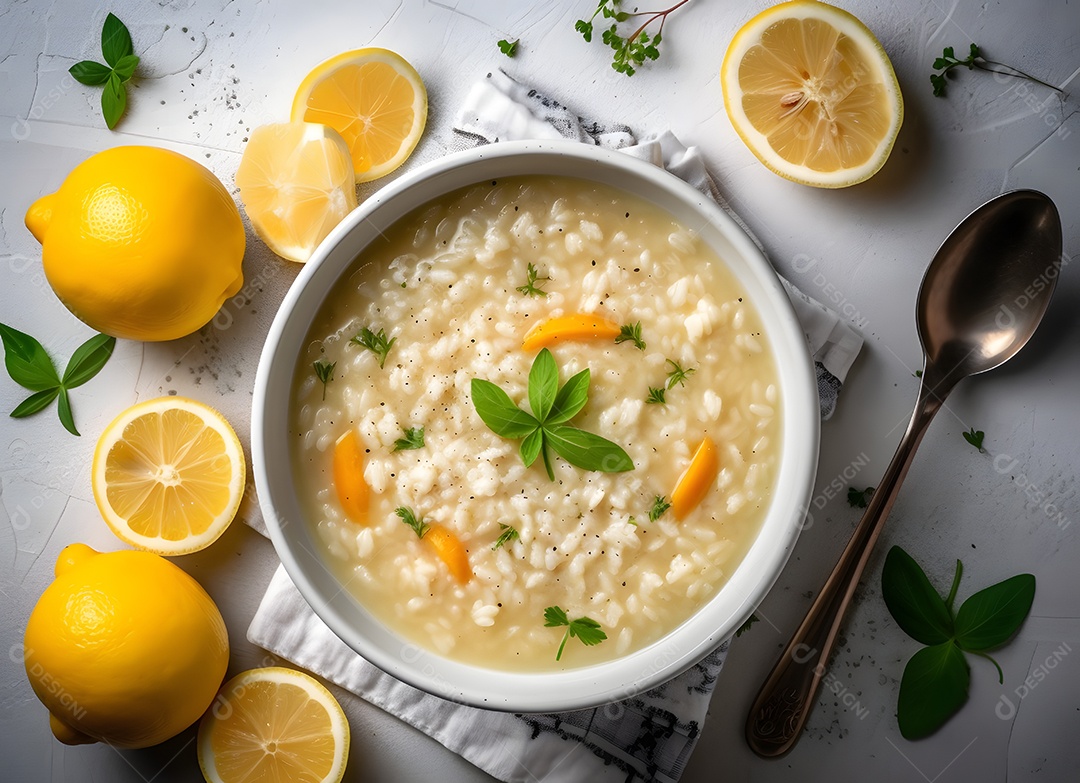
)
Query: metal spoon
[{"x": 981, "y": 299}]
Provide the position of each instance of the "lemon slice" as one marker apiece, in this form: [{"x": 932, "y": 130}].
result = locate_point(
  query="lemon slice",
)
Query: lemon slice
[
  {"x": 273, "y": 725},
  {"x": 168, "y": 475},
  {"x": 374, "y": 99},
  {"x": 812, "y": 94},
  {"x": 296, "y": 181}
]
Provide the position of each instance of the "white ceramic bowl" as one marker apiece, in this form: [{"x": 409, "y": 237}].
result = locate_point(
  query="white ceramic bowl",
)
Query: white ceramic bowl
[{"x": 294, "y": 537}]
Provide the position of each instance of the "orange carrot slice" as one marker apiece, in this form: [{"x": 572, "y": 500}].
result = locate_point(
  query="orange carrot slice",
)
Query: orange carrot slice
[
  {"x": 696, "y": 479},
  {"x": 451, "y": 551},
  {"x": 576, "y": 326},
  {"x": 352, "y": 491}
]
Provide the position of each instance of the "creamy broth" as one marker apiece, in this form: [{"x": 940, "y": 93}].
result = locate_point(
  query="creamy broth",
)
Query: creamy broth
[{"x": 445, "y": 286}]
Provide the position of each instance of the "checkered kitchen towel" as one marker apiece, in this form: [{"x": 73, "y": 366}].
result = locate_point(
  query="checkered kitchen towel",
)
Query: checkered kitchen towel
[{"x": 646, "y": 738}]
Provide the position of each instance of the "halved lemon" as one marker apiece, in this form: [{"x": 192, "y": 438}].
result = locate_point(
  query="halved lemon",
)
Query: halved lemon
[
  {"x": 812, "y": 94},
  {"x": 374, "y": 99},
  {"x": 273, "y": 725},
  {"x": 168, "y": 475},
  {"x": 296, "y": 181}
]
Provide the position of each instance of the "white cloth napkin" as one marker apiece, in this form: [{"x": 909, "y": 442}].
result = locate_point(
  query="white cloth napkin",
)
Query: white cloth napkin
[{"x": 646, "y": 738}]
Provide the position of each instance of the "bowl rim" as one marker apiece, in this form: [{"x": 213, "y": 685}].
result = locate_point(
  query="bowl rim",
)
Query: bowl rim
[{"x": 573, "y": 688}]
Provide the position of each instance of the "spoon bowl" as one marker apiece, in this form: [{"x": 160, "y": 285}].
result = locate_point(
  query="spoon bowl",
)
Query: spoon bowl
[
  {"x": 980, "y": 301},
  {"x": 990, "y": 283}
]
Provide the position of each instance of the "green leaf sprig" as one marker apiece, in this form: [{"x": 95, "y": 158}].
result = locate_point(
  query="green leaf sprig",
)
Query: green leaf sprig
[
  {"x": 509, "y": 48},
  {"x": 746, "y": 626},
  {"x": 631, "y": 333},
  {"x": 948, "y": 61},
  {"x": 974, "y": 437},
  {"x": 412, "y": 439},
  {"x": 30, "y": 366},
  {"x": 548, "y": 426},
  {"x": 657, "y": 396},
  {"x": 634, "y": 49},
  {"x": 584, "y": 628},
  {"x": 678, "y": 375},
  {"x": 418, "y": 525},
  {"x": 660, "y": 505},
  {"x": 376, "y": 342},
  {"x": 507, "y": 535},
  {"x": 324, "y": 371},
  {"x": 936, "y": 678},
  {"x": 859, "y": 498},
  {"x": 119, "y": 54},
  {"x": 532, "y": 277}
]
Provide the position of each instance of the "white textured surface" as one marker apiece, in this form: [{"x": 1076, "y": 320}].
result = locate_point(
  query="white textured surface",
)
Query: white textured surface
[{"x": 863, "y": 250}]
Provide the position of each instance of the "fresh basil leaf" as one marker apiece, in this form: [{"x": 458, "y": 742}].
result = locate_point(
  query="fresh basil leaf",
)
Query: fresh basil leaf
[
  {"x": 113, "y": 100},
  {"x": 543, "y": 384},
  {"x": 934, "y": 686},
  {"x": 912, "y": 600},
  {"x": 88, "y": 360},
  {"x": 90, "y": 73},
  {"x": 531, "y": 445},
  {"x": 498, "y": 411},
  {"x": 115, "y": 41},
  {"x": 26, "y": 360},
  {"x": 570, "y": 399},
  {"x": 990, "y": 617},
  {"x": 547, "y": 457},
  {"x": 63, "y": 407},
  {"x": 35, "y": 402},
  {"x": 125, "y": 66},
  {"x": 586, "y": 450}
]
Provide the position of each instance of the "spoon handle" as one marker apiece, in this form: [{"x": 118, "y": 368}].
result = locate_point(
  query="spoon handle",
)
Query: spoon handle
[{"x": 779, "y": 712}]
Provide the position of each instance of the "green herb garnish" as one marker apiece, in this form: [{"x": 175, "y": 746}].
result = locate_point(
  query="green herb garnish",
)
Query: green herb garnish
[
  {"x": 657, "y": 396},
  {"x": 917, "y": 373},
  {"x": 119, "y": 53},
  {"x": 637, "y": 47},
  {"x": 859, "y": 498},
  {"x": 507, "y": 535},
  {"x": 631, "y": 332},
  {"x": 375, "y": 342},
  {"x": 746, "y": 626},
  {"x": 948, "y": 61},
  {"x": 324, "y": 371},
  {"x": 660, "y": 504},
  {"x": 412, "y": 439},
  {"x": 419, "y": 526},
  {"x": 552, "y": 408},
  {"x": 531, "y": 279},
  {"x": 678, "y": 375},
  {"x": 936, "y": 678},
  {"x": 30, "y": 366},
  {"x": 975, "y": 438},
  {"x": 585, "y": 629},
  {"x": 509, "y": 48}
]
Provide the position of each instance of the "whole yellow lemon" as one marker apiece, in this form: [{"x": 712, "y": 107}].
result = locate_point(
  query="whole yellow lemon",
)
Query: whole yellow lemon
[
  {"x": 123, "y": 648},
  {"x": 140, "y": 243}
]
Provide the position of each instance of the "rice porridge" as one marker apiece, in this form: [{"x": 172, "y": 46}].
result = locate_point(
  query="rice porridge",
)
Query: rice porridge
[{"x": 436, "y": 523}]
